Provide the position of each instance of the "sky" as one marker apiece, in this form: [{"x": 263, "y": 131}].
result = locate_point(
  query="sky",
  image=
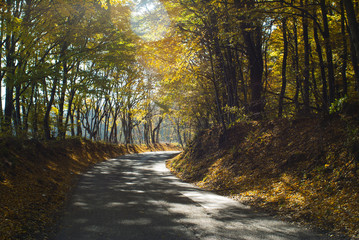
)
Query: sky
[{"x": 149, "y": 20}]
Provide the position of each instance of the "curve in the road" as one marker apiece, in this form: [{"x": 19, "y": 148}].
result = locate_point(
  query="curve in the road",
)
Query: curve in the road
[{"x": 136, "y": 197}]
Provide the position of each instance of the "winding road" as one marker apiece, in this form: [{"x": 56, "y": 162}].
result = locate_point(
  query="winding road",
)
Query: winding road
[{"x": 136, "y": 197}]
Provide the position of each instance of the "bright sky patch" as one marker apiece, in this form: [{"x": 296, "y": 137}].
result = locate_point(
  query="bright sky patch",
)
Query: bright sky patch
[{"x": 149, "y": 20}]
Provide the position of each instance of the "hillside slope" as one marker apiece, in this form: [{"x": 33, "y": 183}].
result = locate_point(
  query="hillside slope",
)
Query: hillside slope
[
  {"x": 305, "y": 170},
  {"x": 35, "y": 179}
]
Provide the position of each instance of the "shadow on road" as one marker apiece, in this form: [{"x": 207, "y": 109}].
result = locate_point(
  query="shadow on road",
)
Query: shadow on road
[{"x": 135, "y": 197}]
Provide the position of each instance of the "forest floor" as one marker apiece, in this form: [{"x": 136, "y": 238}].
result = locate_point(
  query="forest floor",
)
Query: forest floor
[
  {"x": 303, "y": 170},
  {"x": 36, "y": 178}
]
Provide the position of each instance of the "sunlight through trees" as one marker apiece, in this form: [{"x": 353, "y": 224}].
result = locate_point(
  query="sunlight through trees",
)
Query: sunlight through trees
[{"x": 148, "y": 71}]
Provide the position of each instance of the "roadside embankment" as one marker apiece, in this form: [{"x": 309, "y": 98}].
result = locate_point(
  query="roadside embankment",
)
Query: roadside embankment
[
  {"x": 36, "y": 177},
  {"x": 304, "y": 170}
]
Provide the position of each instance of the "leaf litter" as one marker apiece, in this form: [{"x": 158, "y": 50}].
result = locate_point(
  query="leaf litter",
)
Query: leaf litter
[{"x": 303, "y": 170}]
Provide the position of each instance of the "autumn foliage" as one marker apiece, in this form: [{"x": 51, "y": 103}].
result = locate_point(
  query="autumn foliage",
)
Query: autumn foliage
[{"x": 305, "y": 170}]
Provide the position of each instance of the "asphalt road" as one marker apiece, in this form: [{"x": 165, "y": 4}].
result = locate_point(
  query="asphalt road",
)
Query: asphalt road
[{"x": 136, "y": 197}]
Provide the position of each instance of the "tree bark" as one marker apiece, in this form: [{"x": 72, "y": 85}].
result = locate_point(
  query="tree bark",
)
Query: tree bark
[
  {"x": 322, "y": 71},
  {"x": 306, "y": 100},
  {"x": 156, "y": 130},
  {"x": 9, "y": 80},
  {"x": 46, "y": 123},
  {"x": 328, "y": 51},
  {"x": 252, "y": 40},
  {"x": 345, "y": 51},
  {"x": 284, "y": 67},
  {"x": 61, "y": 128},
  {"x": 353, "y": 25},
  {"x": 296, "y": 66}
]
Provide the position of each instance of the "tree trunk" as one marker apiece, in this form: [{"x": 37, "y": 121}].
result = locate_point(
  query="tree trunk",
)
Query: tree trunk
[
  {"x": 179, "y": 133},
  {"x": 345, "y": 51},
  {"x": 78, "y": 121},
  {"x": 35, "y": 116},
  {"x": 46, "y": 123},
  {"x": 252, "y": 40},
  {"x": 306, "y": 100},
  {"x": 322, "y": 71},
  {"x": 17, "y": 112},
  {"x": 284, "y": 67},
  {"x": 220, "y": 117},
  {"x": 296, "y": 66},
  {"x": 353, "y": 26},
  {"x": 328, "y": 51},
  {"x": 2, "y": 32},
  {"x": 70, "y": 106},
  {"x": 72, "y": 119},
  {"x": 26, "y": 110},
  {"x": 61, "y": 128},
  {"x": 242, "y": 82},
  {"x": 9, "y": 80},
  {"x": 156, "y": 130},
  {"x": 355, "y": 63},
  {"x": 251, "y": 28}
]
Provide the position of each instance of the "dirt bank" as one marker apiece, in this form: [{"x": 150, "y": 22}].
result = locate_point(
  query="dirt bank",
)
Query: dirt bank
[
  {"x": 35, "y": 179},
  {"x": 305, "y": 170}
]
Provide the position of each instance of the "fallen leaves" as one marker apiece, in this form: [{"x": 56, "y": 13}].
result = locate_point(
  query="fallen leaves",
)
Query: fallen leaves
[
  {"x": 302, "y": 170},
  {"x": 34, "y": 187}
]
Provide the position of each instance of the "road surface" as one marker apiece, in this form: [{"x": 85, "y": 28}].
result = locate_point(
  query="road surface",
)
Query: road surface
[{"x": 136, "y": 197}]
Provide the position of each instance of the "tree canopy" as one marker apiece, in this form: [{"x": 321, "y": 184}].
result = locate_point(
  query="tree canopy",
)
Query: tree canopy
[{"x": 136, "y": 71}]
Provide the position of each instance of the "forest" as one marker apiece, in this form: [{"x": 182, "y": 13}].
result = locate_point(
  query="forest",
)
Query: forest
[
  {"x": 148, "y": 71},
  {"x": 266, "y": 90}
]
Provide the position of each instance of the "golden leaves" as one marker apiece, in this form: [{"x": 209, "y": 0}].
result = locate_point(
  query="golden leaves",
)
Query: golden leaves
[{"x": 252, "y": 166}]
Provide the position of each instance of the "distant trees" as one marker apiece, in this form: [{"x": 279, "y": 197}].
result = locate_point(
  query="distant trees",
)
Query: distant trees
[
  {"x": 53, "y": 55},
  {"x": 70, "y": 68}
]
